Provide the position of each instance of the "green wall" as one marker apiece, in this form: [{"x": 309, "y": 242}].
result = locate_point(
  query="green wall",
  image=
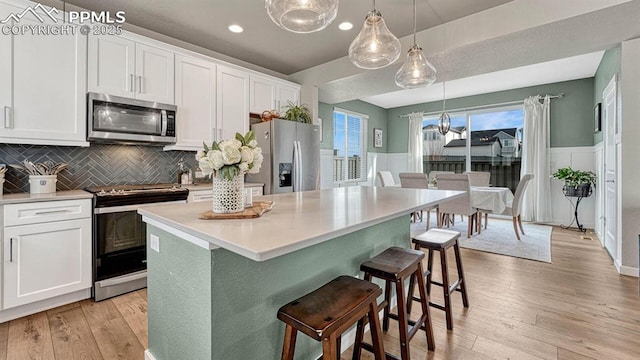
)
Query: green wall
[
  {"x": 377, "y": 119},
  {"x": 609, "y": 66},
  {"x": 571, "y": 116}
]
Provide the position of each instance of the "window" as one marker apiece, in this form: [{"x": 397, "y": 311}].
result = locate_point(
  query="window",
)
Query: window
[
  {"x": 494, "y": 144},
  {"x": 349, "y": 146}
]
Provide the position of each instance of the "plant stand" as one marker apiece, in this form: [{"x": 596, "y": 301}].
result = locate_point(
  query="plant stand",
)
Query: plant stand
[{"x": 570, "y": 192}]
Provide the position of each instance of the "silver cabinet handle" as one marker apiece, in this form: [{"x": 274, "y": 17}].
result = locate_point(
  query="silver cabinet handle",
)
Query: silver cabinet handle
[
  {"x": 8, "y": 120},
  {"x": 219, "y": 134},
  {"x": 10, "y": 249},
  {"x": 50, "y": 212},
  {"x": 610, "y": 181},
  {"x": 132, "y": 85},
  {"x": 139, "y": 84}
]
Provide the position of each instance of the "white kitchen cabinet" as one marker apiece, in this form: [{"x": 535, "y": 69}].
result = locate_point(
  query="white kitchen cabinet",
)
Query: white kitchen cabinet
[
  {"x": 45, "y": 257},
  {"x": 42, "y": 85},
  {"x": 123, "y": 67},
  {"x": 269, "y": 94},
  {"x": 232, "y": 102},
  {"x": 196, "y": 101}
]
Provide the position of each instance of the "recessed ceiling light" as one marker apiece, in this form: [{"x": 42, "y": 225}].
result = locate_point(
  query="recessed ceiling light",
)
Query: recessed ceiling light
[
  {"x": 236, "y": 28},
  {"x": 345, "y": 26}
]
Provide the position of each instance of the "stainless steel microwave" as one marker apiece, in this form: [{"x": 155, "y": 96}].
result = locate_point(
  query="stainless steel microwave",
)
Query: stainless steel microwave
[{"x": 114, "y": 119}]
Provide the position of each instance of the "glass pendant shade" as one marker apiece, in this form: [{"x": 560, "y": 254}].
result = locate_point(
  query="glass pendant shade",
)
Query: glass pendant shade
[
  {"x": 375, "y": 46},
  {"x": 416, "y": 71},
  {"x": 302, "y": 16},
  {"x": 444, "y": 123}
]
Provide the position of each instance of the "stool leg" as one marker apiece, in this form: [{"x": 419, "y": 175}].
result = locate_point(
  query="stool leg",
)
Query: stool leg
[
  {"x": 424, "y": 301},
  {"x": 376, "y": 332},
  {"x": 463, "y": 282},
  {"x": 387, "y": 309},
  {"x": 445, "y": 287},
  {"x": 403, "y": 324},
  {"x": 412, "y": 286},
  {"x": 338, "y": 346},
  {"x": 289, "y": 344},
  {"x": 357, "y": 345},
  {"x": 329, "y": 347},
  {"x": 430, "y": 268}
]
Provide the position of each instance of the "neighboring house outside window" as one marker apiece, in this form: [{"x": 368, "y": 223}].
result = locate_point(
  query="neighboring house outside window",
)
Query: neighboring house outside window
[{"x": 349, "y": 147}]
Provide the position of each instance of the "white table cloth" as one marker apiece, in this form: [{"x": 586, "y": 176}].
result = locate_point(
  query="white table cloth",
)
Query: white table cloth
[{"x": 493, "y": 199}]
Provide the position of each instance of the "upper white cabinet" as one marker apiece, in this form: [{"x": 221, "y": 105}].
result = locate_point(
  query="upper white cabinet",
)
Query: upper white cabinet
[
  {"x": 122, "y": 67},
  {"x": 233, "y": 102},
  {"x": 42, "y": 85},
  {"x": 268, "y": 94},
  {"x": 196, "y": 101}
]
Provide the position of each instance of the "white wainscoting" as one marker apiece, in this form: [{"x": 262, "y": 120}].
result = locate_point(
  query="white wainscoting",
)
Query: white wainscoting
[{"x": 579, "y": 158}]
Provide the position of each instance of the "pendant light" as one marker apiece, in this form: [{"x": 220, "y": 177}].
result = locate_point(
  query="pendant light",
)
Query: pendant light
[
  {"x": 444, "y": 122},
  {"x": 416, "y": 71},
  {"x": 375, "y": 46},
  {"x": 302, "y": 16}
]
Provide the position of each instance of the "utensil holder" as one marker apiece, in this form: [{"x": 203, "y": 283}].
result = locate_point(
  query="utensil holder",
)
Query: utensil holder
[{"x": 42, "y": 184}]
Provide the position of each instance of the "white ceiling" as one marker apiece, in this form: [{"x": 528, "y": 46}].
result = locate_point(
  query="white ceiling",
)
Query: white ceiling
[{"x": 571, "y": 68}]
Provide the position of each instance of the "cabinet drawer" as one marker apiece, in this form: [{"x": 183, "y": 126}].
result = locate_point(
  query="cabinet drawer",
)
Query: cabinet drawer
[
  {"x": 199, "y": 196},
  {"x": 256, "y": 191},
  {"x": 46, "y": 211}
]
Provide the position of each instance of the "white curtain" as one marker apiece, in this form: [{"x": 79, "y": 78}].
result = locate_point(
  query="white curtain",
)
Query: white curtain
[
  {"x": 536, "y": 204},
  {"x": 415, "y": 142}
]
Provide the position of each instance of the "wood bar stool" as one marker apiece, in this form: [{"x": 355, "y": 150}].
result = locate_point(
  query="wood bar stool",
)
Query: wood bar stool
[
  {"x": 394, "y": 265},
  {"x": 324, "y": 314},
  {"x": 440, "y": 240}
]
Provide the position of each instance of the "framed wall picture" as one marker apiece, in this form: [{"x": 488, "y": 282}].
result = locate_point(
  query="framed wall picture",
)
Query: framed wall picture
[
  {"x": 597, "y": 117},
  {"x": 377, "y": 138}
]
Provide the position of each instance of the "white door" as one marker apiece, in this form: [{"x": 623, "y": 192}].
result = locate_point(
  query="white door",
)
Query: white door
[
  {"x": 46, "y": 260},
  {"x": 196, "y": 102},
  {"x": 154, "y": 74},
  {"x": 609, "y": 122},
  {"x": 233, "y": 102},
  {"x": 43, "y": 82},
  {"x": 111, "y": 65},
  {"x": 287, "y": 95},
  {"x": 262, "y": 95}
]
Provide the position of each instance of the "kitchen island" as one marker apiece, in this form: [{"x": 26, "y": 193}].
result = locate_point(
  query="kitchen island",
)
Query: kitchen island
[{"x": 214, "y": 286}]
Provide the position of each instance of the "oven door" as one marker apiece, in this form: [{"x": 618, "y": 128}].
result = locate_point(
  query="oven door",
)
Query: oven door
[{"x": 120, "y": 242}]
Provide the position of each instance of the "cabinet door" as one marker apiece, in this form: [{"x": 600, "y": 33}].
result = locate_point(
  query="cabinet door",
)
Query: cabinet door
[
  {"x": 286, "y": 95},
  {"x": 111, "y": 65},
  {"x": 262, "y": 95},
  {"x": 233, "y": 99},
  {"x": 196, "y": 101},
  {"x": 43, "y": 81},
  {"x": 46, "y": 260},
  {"x": 154, "y": 74}
]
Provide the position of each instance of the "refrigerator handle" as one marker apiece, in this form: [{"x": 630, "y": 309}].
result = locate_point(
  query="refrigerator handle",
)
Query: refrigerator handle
[
  {"x": 300, "y": 167},
  {"x": 295, "y": 166}
]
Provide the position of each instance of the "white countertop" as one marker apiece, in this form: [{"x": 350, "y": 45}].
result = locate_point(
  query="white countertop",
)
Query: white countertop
[
  {"x": 57, "y": 196},
  {"x": 208, "y": 186},
  {"x": 297, "y": 220}
]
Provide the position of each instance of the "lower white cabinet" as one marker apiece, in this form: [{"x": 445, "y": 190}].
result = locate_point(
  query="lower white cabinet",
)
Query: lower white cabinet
[
  {"x": 44, "y": 260},
  {"x": 207, "y": 194}
]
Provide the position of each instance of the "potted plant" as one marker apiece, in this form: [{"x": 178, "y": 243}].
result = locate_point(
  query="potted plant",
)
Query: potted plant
[
  {"x": 299, "y": 113},
  {"x": 576, "y": 182}
]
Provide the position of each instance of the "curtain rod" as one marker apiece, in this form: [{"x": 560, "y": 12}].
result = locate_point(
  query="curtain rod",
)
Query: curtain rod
[{"x": 559, "y": 96}]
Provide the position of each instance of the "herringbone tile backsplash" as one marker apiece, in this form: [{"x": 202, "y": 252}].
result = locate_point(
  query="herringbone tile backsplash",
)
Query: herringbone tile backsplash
[{"x": 95, "y": 165}]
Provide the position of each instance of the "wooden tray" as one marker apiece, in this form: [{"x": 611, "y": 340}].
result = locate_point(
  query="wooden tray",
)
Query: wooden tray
[{"x": 258, "y": 208}]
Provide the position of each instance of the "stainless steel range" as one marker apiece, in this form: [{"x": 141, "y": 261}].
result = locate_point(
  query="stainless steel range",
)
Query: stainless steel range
[{"x": 120, "y": 236}]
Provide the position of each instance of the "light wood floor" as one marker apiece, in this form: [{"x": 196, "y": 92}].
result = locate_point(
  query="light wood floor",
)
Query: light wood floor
[{"x": 576, "y": 308}]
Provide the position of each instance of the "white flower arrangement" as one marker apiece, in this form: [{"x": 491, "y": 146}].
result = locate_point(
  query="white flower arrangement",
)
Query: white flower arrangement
[{"x": 231, "y": 157}]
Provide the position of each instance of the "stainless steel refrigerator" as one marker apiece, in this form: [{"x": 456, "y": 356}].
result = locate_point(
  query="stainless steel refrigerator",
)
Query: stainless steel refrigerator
[{"x": 291, "y": 156}]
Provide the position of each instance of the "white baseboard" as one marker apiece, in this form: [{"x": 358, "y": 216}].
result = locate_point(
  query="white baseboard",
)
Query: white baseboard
[
  {"x": 626, "y": 270},
  {"x": 148, "y": 355},
  {"x": 28, "y": 309}
]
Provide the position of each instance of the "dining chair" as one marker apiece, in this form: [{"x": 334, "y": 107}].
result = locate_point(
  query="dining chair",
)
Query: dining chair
[
  {"x": 386, "y": 179},
  {"x": 480, "y": 178},
  {"x": 515, "y": 207},
  {"x": 460, "y": 205},
  {"x": 419, "y": 181},
  {"x": 432, "y": 174}
]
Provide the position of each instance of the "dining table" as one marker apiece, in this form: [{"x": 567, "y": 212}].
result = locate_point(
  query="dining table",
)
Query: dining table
[{"x": 491, "y": 199}]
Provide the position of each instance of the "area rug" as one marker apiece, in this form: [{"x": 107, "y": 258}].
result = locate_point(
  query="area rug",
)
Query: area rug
[{"x": 499, "y": 238}]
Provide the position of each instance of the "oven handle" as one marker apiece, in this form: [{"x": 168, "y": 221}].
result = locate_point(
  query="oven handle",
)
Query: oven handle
[
  {"x": 122, "y": 279},
  {"x": 114, "y": 209}
]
